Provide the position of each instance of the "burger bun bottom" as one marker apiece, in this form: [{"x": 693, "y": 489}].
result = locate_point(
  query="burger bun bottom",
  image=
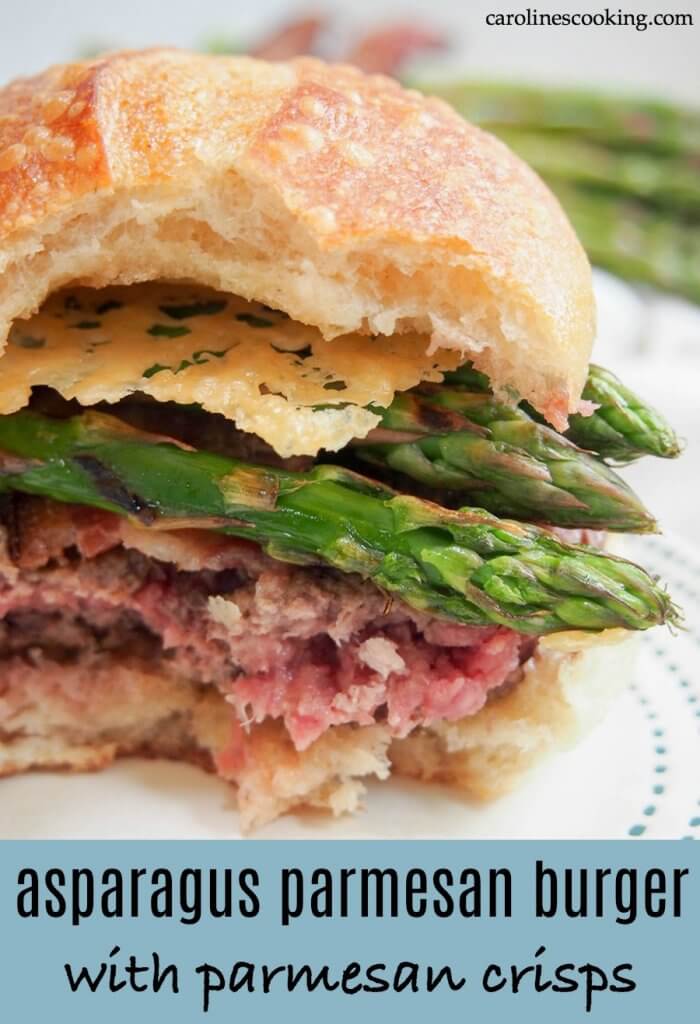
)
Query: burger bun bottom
[{"x": 564, "y": 690}]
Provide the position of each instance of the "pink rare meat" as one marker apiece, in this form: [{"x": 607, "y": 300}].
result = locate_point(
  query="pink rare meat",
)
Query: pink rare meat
[{"x": 309, "y": 646}]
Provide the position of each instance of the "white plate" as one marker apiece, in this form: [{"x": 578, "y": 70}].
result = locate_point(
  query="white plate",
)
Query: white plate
[{"x": 637, "y": 774}]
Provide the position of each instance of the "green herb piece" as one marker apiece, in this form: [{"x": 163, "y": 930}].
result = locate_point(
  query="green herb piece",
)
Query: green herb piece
[
  {"x": 194, "y": 309},
  {"x": 153, "y": 370},
  {"x": 196, "y": 360},
  {"x": 86, "y": 325},
  {"x": 167, "y": 331},
  {"x": 108, "y": 306},
  {"x": 254, "y": 321},
  {"x": 300, "y": 353}
]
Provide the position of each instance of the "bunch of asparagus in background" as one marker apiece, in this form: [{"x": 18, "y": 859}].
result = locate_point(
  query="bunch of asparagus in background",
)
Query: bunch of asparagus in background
[{"x": 626, "y": 171}]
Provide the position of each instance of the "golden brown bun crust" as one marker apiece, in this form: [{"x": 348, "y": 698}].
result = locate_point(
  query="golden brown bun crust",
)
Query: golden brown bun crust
[
  {"x": 127, "y": 709},
  {"x": 342, "y": 198}
]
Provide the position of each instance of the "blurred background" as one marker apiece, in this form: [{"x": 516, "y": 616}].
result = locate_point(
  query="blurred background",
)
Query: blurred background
[{"x": 609, "y": 115}]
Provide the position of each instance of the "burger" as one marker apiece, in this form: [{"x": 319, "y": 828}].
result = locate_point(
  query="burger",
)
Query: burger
[{"x": 304, "y": 474}]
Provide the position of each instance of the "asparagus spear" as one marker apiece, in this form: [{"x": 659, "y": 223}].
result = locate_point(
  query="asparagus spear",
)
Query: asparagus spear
[
  {"x": 466, "y": 566},
  {"x": 623, "y": 427},
  {"x": 508, "y": 463},
  {"x": 669, "y": 182},
  {"x": 618, "y": 121},
  {"x": 634, "y": 240},
  {"x": 620, "y": 232}
]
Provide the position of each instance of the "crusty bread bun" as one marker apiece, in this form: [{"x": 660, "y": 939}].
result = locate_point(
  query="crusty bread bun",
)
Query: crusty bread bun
[
  {"x": 351, "y": 205},
  {"x": 342, "y": 199},
  {"x": 566, "y": 688}
]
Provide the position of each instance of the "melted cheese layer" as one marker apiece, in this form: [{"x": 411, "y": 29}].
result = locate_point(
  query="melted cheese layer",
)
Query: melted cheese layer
[{"x": 273, "y": 376}]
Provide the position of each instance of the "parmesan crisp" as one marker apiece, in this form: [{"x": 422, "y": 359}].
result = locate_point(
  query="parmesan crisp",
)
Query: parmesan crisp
[{"x": 272, "y": 376}]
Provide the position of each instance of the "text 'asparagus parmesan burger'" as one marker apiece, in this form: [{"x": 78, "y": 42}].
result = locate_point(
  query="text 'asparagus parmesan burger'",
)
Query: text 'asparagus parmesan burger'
[{"x": 293, "y": 361}]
